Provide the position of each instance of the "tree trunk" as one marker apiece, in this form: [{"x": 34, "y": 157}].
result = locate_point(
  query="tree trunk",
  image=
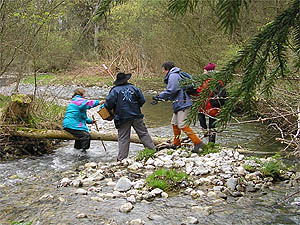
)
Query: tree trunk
[
  {"x": 60, "y": 134},
  {"x": 18, "y": 108}
]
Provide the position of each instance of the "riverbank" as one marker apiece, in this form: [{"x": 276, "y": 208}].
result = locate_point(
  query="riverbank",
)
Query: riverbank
[
  {"x": 214, "y": 179},
  {"x": 219, "y": 191}
]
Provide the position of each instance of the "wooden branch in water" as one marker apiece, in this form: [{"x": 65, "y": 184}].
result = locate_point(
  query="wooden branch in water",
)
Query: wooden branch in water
[{"x": 61, "y": 134}]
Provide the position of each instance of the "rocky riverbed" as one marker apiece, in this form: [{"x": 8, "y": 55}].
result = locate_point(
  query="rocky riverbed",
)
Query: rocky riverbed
[{"x": 215, "y": 179}]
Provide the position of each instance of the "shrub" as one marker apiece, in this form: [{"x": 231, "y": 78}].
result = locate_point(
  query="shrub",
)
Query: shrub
[
  {"x": 166, "y": 179},
  {"x": 145, "y": 154},
  {"x": 210, "y": 148},
  {"x": 271, "y": 168}
]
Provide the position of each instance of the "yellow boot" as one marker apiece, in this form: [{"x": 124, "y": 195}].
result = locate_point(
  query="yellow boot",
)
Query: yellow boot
[
  {"x": 198, "y": 144},
  {"x": 177, "y": 133}
]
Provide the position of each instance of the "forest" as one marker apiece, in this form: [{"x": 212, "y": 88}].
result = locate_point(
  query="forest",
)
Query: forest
[
  {"x": 255, "y": 45},
  {"x": 250, "y": 174}
]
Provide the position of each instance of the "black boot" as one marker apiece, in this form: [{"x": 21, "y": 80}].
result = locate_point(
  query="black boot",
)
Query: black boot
[{"x": 212, "y": 138}]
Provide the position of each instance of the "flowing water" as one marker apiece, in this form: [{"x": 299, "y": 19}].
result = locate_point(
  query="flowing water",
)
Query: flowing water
[{"x": 23, "y": 182}]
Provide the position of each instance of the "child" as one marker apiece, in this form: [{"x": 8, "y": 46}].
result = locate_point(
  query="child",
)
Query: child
[{"x": 75, "y": 119}]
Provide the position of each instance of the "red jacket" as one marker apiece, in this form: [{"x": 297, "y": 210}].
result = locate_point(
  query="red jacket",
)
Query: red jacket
[{"x": 208, "y": 109}]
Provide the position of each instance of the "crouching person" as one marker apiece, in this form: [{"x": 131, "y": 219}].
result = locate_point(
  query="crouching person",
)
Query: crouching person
[
  {"x": 126, "y": 101},
  {"x": 75, "y": 119}
]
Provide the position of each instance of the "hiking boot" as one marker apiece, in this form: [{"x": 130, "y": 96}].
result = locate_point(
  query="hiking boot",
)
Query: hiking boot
[
  {"x": 212, "y": 138},
  {"x": 173, "y": 146},
  {"x": 198, "y": 147}
]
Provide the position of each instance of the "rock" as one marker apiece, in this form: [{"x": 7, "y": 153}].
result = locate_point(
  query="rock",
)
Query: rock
[
  {"x": 135, "y": 166},
  {"x": 297, "y": 176},
  {"x": 250, "y": 187},
  {"x": 221, "y": 195},
  {"x": 241, "y": 171},
  {"x": 136, "y": 222},
  {"x": 156, "y": 191},
  {"x": 201, "y": 170},
  {"x": 139, "y": 184},
  {"x": 244, "y": 201},
  {"x": 231, "y": 183},
  {"x": 218, "y": 188},
  {"x": 90, "y": 165},
  {"x": 123, "y": 184},
  {"x": 211, "y": 195},
  {"x": 98, "y": 199},
  {"x": 131, "y": 199},
  {"x": 127, "y": 207},
  {"x": 65, "y": 182},
  {"x": 81, "y": 216},
  {"x": 46, "y": 197},
  {"x": 150, "y": 161},
  {"x": 77, "y": 183},
  {"x": 164, "y": 195},
  {"x": 155, "y": 217},
  {"x": 190, "y": 220},
  {"x": 205, "y": 210},
  {"x": 81, "y": 191}
]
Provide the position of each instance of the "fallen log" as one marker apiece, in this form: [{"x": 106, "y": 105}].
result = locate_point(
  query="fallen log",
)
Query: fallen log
[{"x": 61, "y": 134}]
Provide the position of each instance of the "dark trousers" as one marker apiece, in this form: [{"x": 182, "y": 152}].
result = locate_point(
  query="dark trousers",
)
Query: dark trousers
[
  {"x": 124, "y": 136},
  {"x": 211, "y": 126},
  {"x": 84, "y": 138}
]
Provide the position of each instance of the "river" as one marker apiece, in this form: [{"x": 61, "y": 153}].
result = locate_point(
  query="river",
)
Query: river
[{"x": 25, "y": 182}]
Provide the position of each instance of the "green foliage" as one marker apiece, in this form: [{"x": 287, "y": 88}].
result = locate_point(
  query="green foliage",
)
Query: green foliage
[
  {"x": 210, "y": 148},
  {"x": 46, "y": 115},
  {"x": 228, "y": 12},
  {"x": 42, "y": 79},
  {"x": 20, "y": 223},
  {"x": 4, "y": 100},
  {"x": 166, "y": 179},
  {"x": 249, "y": 168},
  {"x": 145, "y": 154},
  {"x": 170, "y": 152},
  {"x": 271, "y": 168}
]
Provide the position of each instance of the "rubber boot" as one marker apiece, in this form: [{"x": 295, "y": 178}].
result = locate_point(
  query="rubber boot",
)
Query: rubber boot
[
  {"x": 198, "y": 144},
  {"x": 177, "y": 134},
  {"x": 212, "y": 138}
]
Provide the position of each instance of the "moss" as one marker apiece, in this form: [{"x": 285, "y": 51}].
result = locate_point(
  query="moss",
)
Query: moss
[
  {"x": 249, "y": 168},
  {"x": 166, "y": 179},
  {"x": 20, "y": 223}
]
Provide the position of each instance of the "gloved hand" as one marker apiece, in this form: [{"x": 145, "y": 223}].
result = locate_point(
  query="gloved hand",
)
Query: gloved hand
[{"x": 155, "y": 100}]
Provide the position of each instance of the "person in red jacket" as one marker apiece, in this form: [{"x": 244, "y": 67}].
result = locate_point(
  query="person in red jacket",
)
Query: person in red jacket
[{"x": 208, "y": 109}]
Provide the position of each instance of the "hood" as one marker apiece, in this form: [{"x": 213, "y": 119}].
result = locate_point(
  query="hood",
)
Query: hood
[{"x": 173, "y": 70}]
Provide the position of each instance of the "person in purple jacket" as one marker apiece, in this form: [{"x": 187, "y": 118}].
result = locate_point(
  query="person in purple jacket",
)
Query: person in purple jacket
[
  {"x": 181, "y": 104},
  {"x": 75, "y": 119}
]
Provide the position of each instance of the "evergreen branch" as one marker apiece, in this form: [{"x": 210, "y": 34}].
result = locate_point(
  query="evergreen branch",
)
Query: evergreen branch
[
  {"x": 182, "y": 6},
  {"x": 105, "y": 6},
  {"x": 228, "y": 12},
  {"x": 268, "y": 47}
]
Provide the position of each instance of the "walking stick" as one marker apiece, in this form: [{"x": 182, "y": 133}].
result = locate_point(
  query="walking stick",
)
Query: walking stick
[
  {"x": 108, "y": 71},
  {"x": 97, "y": 128}
]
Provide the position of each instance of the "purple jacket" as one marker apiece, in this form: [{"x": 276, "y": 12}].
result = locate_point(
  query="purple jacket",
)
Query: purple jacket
[{"x": 173, "y": 92}]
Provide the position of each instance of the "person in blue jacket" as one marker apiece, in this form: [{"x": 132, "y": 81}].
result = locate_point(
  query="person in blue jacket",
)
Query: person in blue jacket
[
  {"x": 75, "y": 119},
  {"x": 126, "y": 101},
  {"x": 181, "y": 104}
]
